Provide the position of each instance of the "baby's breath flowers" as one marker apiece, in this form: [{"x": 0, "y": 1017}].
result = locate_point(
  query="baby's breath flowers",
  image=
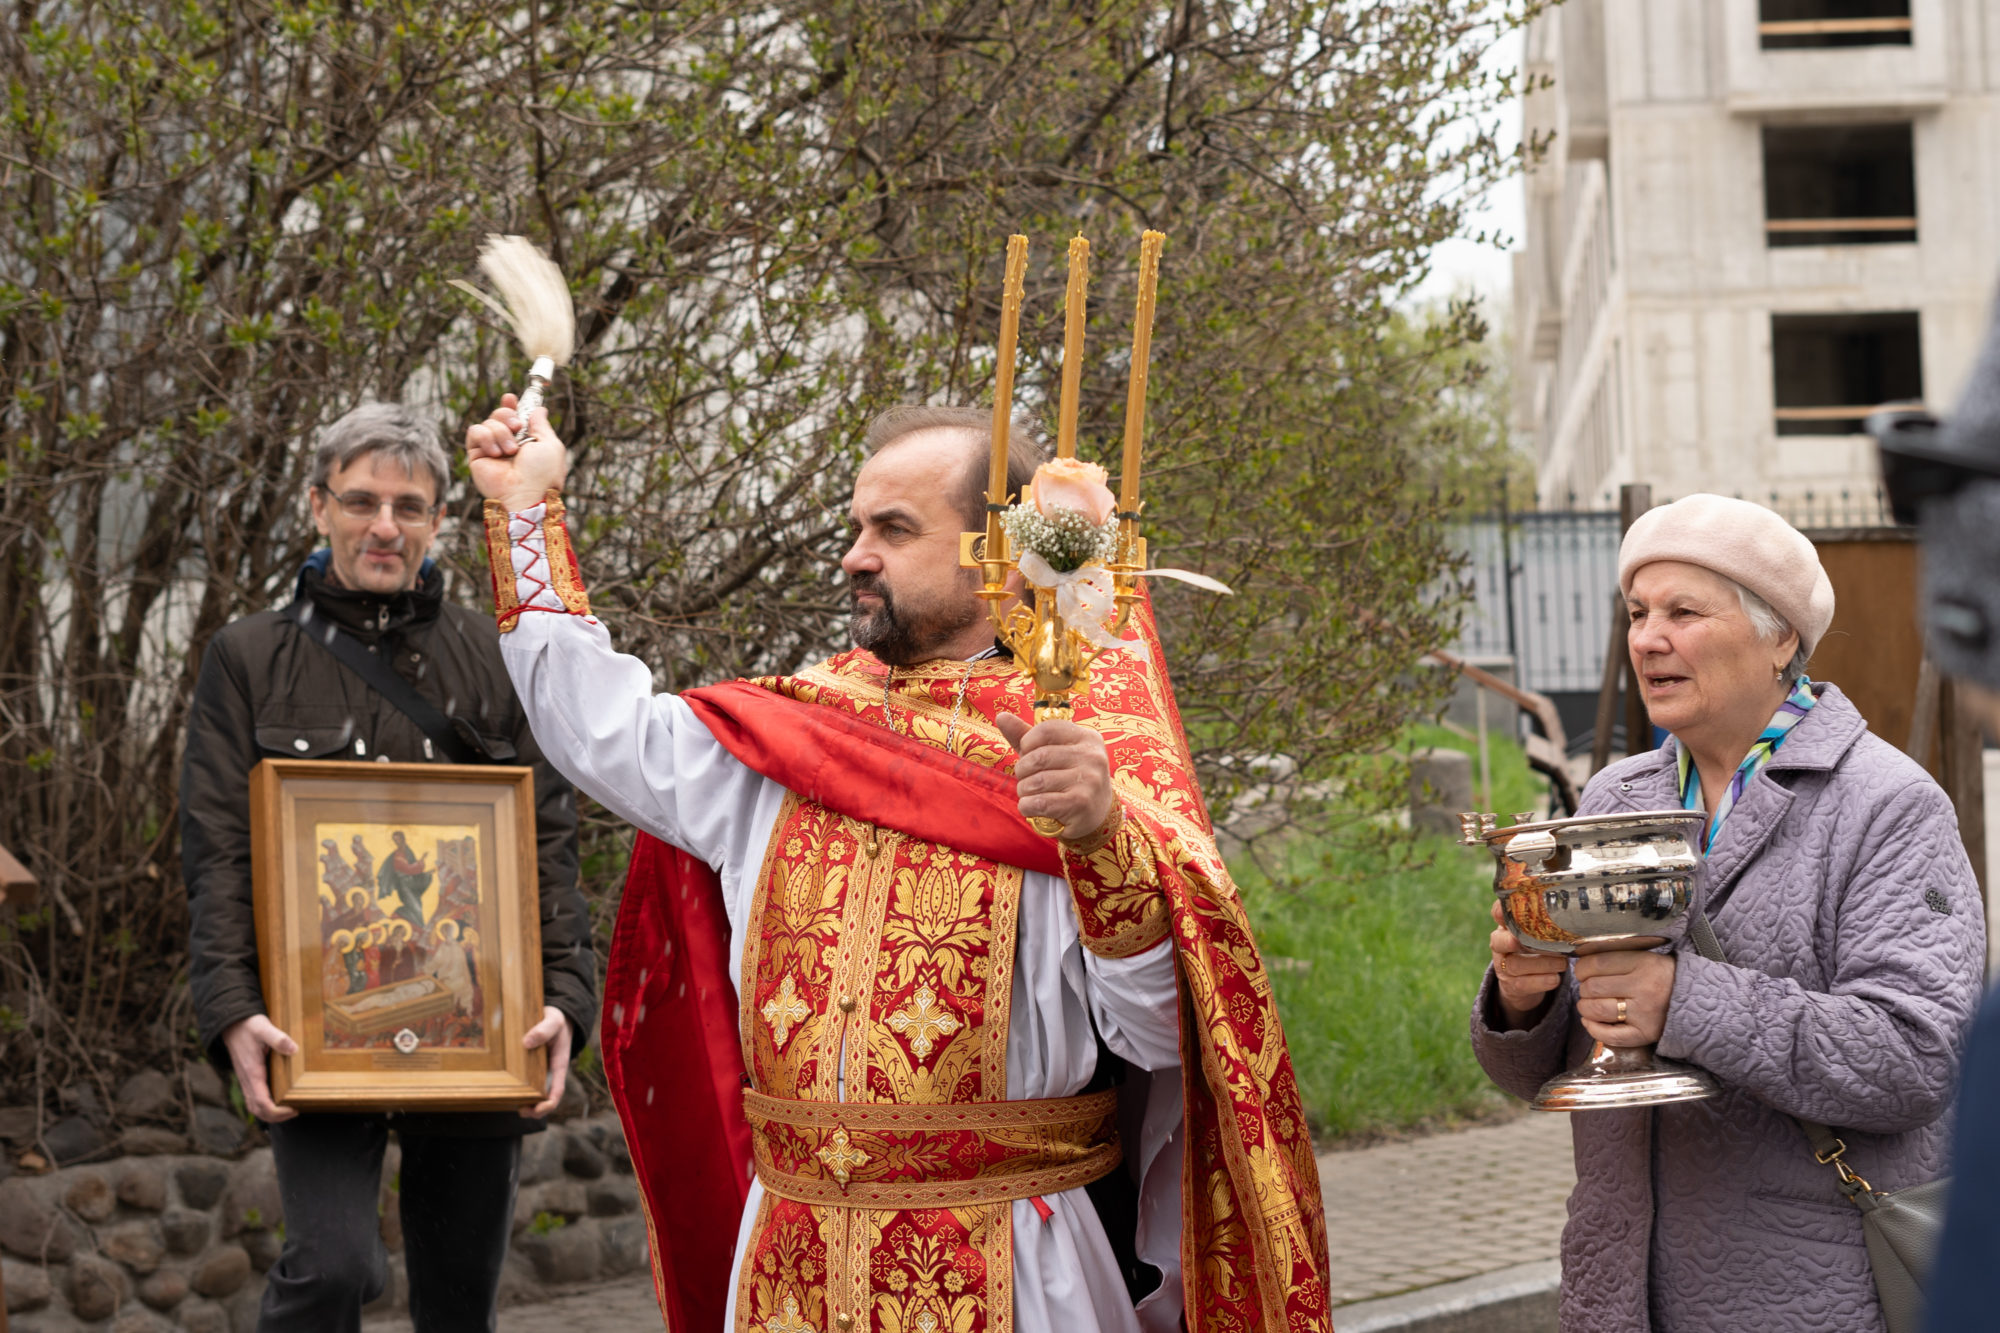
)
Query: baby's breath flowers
[{"x": 1065, "y": 538}]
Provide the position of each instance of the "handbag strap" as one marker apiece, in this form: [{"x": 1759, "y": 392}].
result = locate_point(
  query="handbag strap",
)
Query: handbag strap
[
  {"x": 379, "y": 675},
  {"x": 1827, "y": 1147}
]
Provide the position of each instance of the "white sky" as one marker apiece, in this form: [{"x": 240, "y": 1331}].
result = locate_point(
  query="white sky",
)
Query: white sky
[{"x": 1460, "y": 265}]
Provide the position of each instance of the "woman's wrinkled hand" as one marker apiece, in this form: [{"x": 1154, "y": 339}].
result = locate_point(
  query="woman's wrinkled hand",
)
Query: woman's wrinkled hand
[
  {"x": 1643, "y": 982},
  {"x": 1526, "y": 977}
]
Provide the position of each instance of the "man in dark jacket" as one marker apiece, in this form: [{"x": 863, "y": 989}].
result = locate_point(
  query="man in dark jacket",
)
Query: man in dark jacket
[{"x": 267, "y": 688}]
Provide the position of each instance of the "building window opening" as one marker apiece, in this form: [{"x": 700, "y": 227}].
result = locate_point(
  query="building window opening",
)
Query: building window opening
[
  {"x": 1839, "y": 184},
  {"x": 1797, "y": 24},
  {"x": 1831, "y": 371}
]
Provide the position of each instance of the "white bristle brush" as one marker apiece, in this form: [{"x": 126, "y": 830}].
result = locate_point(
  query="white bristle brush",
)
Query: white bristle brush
[{"x": 535, "y": 300}]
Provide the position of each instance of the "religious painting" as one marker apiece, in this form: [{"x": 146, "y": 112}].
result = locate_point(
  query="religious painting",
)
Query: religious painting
[
  {"x": 400, "y": 930},
  {"x": 399, "y": 927}
]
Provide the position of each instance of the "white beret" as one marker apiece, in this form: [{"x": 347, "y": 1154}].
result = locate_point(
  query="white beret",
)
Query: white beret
[{"x": 1741, "y": 541}]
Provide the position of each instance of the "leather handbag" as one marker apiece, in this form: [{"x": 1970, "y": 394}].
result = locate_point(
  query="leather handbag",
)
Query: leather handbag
[{"x": 1900, "y": 1226}]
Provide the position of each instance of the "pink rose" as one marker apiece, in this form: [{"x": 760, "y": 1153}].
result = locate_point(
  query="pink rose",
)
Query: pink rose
[{"x": 1071, "y": 483}]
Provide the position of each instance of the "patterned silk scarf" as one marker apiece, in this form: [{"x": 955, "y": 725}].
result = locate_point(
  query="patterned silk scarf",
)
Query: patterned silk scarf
[{"x": 1796, "y": 705}]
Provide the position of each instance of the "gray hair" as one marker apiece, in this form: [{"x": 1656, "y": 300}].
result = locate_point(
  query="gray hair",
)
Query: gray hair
[
  {"x": 389, "y": 429},
  {"x": 1024, "y": 448},
  {"x": 1771, "y": 627}
]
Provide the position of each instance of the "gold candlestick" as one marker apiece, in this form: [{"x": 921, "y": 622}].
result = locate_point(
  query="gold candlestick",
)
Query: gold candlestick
[
  {"x": 1054, "y": 653},
  {"x": 1072, "y": 379},
  {"x": 1135, "y": 385},
  {"x": 1011, "y": 287}
]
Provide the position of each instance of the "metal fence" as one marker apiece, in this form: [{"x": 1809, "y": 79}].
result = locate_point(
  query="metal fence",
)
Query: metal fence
[
  {"x": 1847, "y": 508},
  {"x": 1542, "y": 581},
  {"x": 1541, "y": 588}
]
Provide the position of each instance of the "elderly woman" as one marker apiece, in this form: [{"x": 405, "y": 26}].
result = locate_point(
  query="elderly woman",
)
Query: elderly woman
[{"x": 1853, "y": 928}]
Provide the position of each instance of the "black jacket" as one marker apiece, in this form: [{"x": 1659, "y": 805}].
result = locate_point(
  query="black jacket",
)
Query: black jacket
[{"x": 266, "y": 691}]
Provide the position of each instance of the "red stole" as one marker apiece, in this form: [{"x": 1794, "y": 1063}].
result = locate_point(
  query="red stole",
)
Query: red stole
[{"x": 666, "y": 989}]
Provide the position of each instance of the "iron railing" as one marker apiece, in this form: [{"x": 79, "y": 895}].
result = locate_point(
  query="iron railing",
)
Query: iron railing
[{"x": 1541, "y": 581}]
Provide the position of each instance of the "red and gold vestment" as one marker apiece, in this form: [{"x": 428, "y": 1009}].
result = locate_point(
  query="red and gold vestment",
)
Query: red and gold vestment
[{"x": 862, "y": 1071}]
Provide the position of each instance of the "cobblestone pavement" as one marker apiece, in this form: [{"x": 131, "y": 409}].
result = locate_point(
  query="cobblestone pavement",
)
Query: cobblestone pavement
[
  {"x": 1399, "y": 1217},
  {"x": 624, "y": 1305},
  {"x": 1408, "y": 1215}
]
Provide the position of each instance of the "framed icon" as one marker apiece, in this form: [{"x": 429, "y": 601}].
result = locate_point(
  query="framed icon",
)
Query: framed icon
[{"x": 399, "y": 933}]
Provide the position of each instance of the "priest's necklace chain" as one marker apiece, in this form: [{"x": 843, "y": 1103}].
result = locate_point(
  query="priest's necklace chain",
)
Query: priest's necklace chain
[{"x": 958, "y": 704}]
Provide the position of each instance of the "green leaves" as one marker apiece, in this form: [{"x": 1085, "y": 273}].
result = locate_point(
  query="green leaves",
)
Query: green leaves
[{"x": 223, "y": 226}]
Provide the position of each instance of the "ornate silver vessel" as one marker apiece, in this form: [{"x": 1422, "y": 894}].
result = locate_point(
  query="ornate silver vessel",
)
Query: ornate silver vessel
[{"x": 1591, "y": 884}]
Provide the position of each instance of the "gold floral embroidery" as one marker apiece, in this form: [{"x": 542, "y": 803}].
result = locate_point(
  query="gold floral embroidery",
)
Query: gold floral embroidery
[
  {"x": 802, "y": 894},
  {"x": 784, "y": 1009},
  {"x": 500, "y": 561},
  {"x": 789, "y": 1321},
  {"x": 905, "y": 958},
  {"x": 841, "y": 1156},
  {"x": 940, "y": 923},
  {"x": 927, "y": 1276},
  {"x": 1255, "y": 1233},
  {"x": 1120, "y": 907},
  {"x": 922, "y": 1022}
]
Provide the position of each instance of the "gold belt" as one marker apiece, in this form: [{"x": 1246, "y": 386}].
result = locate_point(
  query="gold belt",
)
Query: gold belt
[{"x": 884, "y": 1155}]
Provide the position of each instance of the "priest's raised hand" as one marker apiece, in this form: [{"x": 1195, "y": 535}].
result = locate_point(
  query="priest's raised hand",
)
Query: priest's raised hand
[{"x": 518, "y": 473}]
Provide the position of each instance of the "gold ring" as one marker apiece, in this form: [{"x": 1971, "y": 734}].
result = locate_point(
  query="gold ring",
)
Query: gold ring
[
  {"x": 1621, "y": 1011},
  {"x": 1500, "y": 964}
]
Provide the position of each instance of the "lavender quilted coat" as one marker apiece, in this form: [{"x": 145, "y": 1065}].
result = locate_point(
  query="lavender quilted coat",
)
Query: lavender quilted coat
[{"x": 1852, "y": 922}]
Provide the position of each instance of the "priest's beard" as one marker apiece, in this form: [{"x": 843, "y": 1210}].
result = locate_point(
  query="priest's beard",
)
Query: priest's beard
[{"x": 915, "y": 629}]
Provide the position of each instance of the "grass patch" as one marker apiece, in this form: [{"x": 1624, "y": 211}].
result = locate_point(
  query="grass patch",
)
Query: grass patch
[{"x": 1375, "y": 954}]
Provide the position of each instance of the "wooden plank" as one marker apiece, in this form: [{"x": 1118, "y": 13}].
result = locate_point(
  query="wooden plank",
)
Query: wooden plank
[
  {"x": 1634, "y": 499},
  {"x": 1839, "y": 224},
  {"x": 1962, "y": 772},
  {"x": 1546, "y": 758},
  {"x": 1830, "y": 27},
  {"x": 1874, "y": 652},
  {"x": 1874, "y": 648},
  {"x": 17, "y": 889},
  {"x": 1833, "y": 413},
  {"x": 1526, "y": 700},
  {"x": 1924, "y": 718}
]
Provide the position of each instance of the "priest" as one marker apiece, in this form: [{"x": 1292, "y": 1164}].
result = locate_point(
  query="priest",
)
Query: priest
[{"x": 887, "y": 1058}]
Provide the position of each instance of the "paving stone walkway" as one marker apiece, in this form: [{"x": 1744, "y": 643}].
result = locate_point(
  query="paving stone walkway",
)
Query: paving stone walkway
[
  {"x": 625, "y": 1305},
  {"x": 1400, "y": 1216},
  {"x": 1408, "y": 1215}
]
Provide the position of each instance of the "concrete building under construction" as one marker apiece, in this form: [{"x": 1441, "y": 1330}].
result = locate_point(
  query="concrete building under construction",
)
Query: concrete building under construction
[{"x": 1756, "y": 221}]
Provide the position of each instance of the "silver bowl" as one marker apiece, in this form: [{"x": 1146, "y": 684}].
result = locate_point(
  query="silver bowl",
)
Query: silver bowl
[{"x": 1591, "y": 884}]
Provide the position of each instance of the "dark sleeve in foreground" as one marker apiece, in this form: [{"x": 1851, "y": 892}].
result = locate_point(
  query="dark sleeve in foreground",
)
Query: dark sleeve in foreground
[
  {"x": 1967, "y": 1277},
  {"x": 215, "y": 849}
]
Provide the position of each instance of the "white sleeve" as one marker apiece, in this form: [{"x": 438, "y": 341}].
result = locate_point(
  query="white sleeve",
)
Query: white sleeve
[
  {"x": 1135, "y": 1005},
  {"x": 643, "y": 756}
]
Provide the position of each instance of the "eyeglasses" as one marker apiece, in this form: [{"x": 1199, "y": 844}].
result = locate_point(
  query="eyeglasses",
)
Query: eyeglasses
[{"x": 408, "y": 511}]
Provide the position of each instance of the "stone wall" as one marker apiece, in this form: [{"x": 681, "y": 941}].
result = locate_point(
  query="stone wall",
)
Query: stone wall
[{"x": 174, "y": 1240}]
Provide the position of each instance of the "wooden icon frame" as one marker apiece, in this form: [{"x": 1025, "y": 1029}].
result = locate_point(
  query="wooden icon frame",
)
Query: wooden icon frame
[{"x": 410, "y": 1028}]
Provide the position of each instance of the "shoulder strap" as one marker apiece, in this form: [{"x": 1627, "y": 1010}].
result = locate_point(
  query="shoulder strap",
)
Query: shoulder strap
[
  {"x": 1826, "y": 1145},
  {"x": 382, "y": 678}
]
